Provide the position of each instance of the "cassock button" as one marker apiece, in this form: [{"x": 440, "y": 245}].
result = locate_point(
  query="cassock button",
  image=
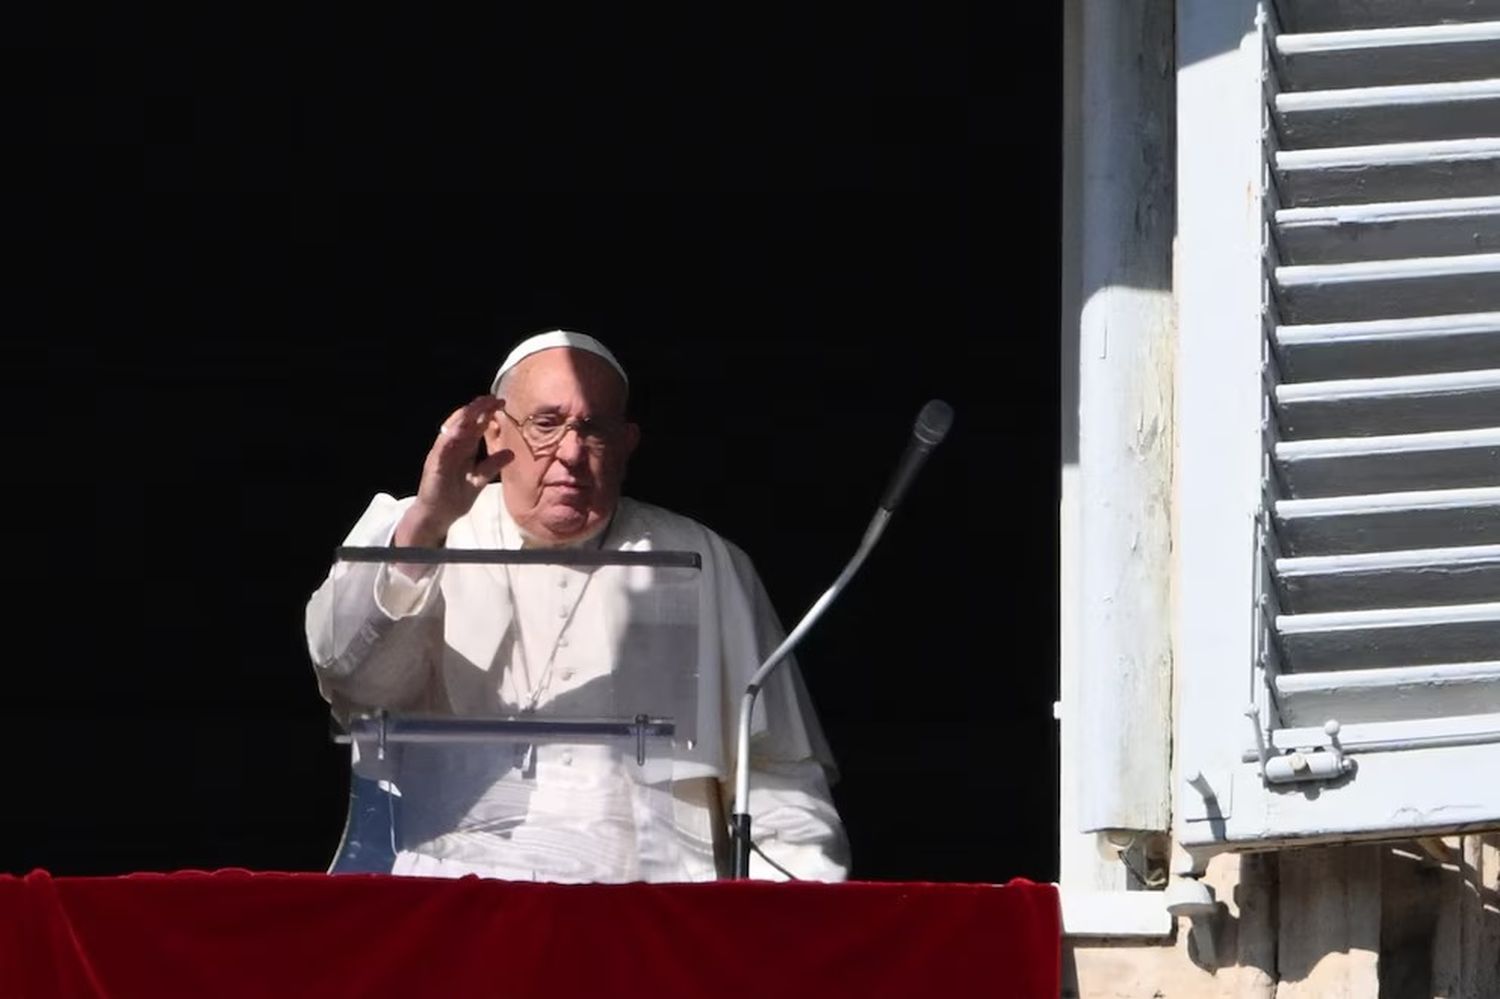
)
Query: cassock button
[
  {"x": 567, "y": 674},
  {"x": 567, "y": 757},
  {"x": 562, "y": 612},
  {"x": 562, "y": 642}
]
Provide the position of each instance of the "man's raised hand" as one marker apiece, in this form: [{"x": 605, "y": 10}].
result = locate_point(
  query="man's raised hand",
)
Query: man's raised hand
[{"x": 453, "y": 475}]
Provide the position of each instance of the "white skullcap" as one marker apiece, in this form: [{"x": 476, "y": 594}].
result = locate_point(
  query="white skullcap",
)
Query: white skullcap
[{"x": 549, "y": 340}]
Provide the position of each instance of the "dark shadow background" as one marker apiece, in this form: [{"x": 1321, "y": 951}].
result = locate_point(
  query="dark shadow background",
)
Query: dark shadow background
[{"x": 236, "y": 354}]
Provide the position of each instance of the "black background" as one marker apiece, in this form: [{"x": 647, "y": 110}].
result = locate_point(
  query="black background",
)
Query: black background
[{"x": 237, "y": 352}]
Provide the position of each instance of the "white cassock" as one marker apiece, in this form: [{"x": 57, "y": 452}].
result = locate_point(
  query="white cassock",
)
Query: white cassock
[{"x": 501, "y": 640}]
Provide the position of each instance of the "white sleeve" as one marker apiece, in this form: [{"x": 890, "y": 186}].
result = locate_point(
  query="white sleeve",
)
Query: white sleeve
[
  {"x": 374, "y": 634},
  {"x": 397, "y": 595},
  {"x": 793, "y": 821},
  {"x": 793, "y": 818}
]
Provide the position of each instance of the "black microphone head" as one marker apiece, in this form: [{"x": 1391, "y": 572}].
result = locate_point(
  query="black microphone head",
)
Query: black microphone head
[{"x": 933, "y": 422}]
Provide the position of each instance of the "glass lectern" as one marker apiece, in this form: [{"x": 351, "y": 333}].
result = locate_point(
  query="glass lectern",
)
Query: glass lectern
[{"x": 514, "y": 713}]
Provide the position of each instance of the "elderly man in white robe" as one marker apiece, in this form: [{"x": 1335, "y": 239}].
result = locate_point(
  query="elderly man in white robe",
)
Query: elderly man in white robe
[{"x": 554, "y": 431}]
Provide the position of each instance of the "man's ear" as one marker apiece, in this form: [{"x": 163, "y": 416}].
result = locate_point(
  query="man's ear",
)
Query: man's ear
[
  {"x": 632, "y": 438},
  {"x": 493, "y": 432}
]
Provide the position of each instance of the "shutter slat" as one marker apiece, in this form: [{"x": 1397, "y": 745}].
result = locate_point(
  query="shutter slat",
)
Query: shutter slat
[
  {"x": 1386, "y": 231},
  {"x": 1345, "y": 15},
  {"x": 1393, "y": 463},
  {"x": 1383, "y": 56},
  {"x": 1455, "y": 400},
  {"x": 1412, "y": 112},
  {"x": 1389, "y": 521},
  {"x": 1391, "y": 694},
  {"x": 1373, "y": 348},
  {"x": 1383, "y": 289},
  {"x": 1389, "y": 637},
  {"x": 1396, "y": 171},
  {"x": 1414, "y": 578}
]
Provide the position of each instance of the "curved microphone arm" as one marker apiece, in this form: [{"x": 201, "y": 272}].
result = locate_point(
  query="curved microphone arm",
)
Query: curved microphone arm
[
  {"x": 931, "y": 427},
  {"x": 741, "y": 816}
]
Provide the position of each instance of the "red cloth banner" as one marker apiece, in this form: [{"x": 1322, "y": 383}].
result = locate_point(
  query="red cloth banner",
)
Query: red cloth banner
[{"x": 237, "y": 933}]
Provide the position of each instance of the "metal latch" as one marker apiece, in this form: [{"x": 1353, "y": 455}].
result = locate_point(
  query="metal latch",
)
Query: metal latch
[{"x": 1304, "y": 763}]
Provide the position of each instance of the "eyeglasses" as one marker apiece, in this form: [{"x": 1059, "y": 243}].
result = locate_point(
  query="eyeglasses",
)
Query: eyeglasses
[{"x": 544, "y": 431}]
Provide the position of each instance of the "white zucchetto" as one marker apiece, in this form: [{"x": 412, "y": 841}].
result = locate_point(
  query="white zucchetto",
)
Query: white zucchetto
[{"x": 549, "y": 340}]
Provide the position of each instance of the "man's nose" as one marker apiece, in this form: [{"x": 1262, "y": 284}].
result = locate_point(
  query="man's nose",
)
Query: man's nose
[{"x": 570, "y": 447}]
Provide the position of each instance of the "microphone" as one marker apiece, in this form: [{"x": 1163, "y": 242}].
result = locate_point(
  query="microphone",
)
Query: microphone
[{"x": 931, "y": 427}]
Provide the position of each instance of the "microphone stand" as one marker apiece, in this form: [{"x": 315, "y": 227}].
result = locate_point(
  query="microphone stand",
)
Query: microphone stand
[
  {"x": 930, "y": 429},
  {"x": 740, "y": 820}
]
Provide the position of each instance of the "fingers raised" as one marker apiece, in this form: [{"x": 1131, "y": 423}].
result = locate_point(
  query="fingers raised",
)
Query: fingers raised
[
  {"x": 490, "y": 466},
  {"x": 467, "y": 423}
]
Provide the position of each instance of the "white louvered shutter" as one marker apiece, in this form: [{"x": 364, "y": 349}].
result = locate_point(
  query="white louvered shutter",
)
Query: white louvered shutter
[{"x": 1376, "y": 686}]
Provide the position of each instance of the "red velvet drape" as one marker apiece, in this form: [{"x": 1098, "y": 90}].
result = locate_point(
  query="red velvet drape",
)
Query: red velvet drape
[{"x": 236, "y": 933}]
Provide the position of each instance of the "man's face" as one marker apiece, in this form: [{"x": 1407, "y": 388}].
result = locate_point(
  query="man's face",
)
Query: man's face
[{"x": 565, "y": 491}]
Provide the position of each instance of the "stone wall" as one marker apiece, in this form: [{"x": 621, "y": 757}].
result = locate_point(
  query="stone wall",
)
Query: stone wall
[{"x": 1393, "y": 920}]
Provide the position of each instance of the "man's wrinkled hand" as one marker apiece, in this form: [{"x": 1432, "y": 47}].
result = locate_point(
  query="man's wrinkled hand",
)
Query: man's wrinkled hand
[{"x": 454, "y": 474}]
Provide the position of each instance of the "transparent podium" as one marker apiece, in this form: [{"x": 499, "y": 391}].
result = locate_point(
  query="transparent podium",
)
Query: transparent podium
[{"x": 514, "y": 714}]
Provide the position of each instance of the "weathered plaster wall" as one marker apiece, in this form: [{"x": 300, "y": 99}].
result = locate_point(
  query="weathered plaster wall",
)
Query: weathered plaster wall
[{"x": 1410, "y": 919}]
